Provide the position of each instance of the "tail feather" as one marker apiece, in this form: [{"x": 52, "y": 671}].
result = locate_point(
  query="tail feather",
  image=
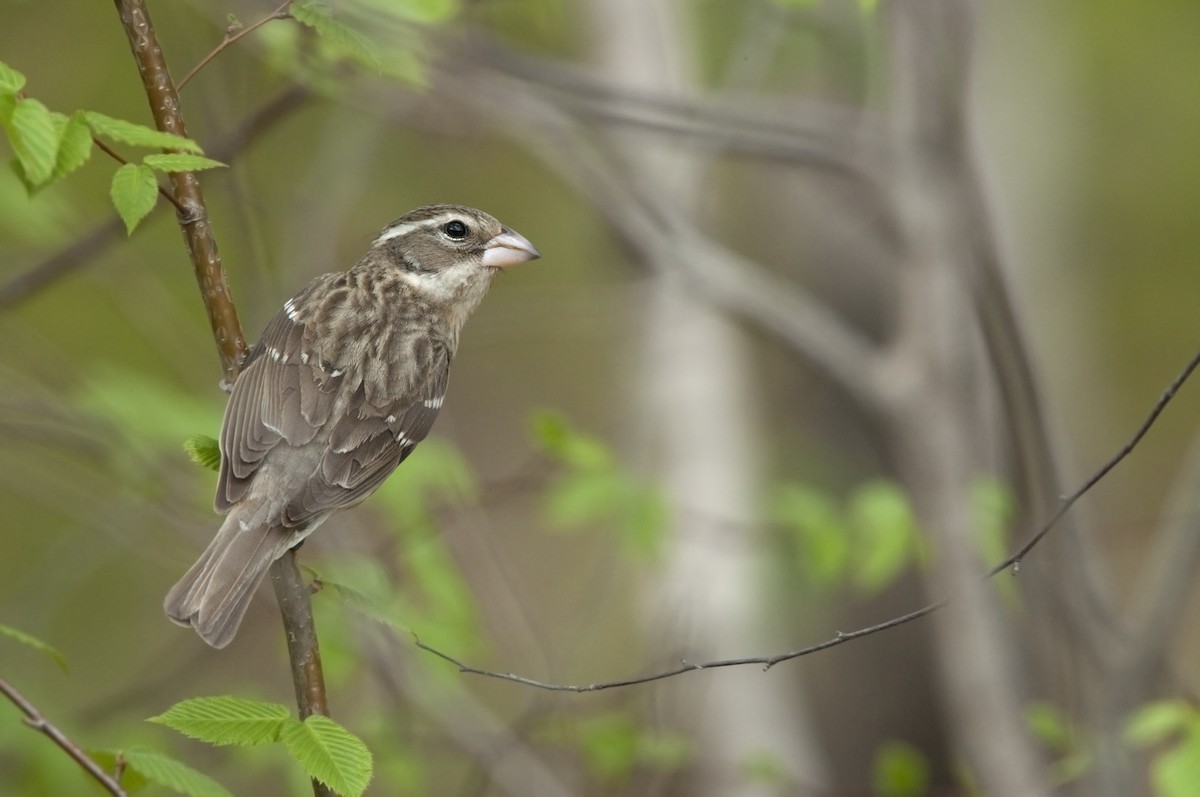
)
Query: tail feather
[{"x": 215, "y": 593}]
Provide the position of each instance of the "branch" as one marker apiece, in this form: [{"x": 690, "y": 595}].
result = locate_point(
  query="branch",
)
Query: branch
[
  {"x": 231, "y": 37},
  {"x": 295, "y": 604},
  {"x": 34, "y": 719},
  {"x": 193, "y": 217},
  {"x": 841, "y": 637}
]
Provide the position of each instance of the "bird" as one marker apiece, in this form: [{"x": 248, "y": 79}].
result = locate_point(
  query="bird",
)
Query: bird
[{"x": 345, "y": 381}]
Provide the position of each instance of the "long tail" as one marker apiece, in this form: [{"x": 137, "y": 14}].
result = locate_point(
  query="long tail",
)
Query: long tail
[{"x": 214, "y": 594}]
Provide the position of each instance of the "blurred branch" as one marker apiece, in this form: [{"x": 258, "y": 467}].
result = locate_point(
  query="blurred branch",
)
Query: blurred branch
[
  {"x": 35, "y": 720},
  {"x": 94, "y": 242},
  {"x": 823, "y": 135},
  {"x": 232, "y": 35},
  {"x": 193, "y": 217},
  {"x": 665, "y": 239},
  {"x": 1013, "y": 561}
]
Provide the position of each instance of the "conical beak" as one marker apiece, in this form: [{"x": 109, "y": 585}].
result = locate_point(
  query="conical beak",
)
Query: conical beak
[{"x": 508, "y": 249}]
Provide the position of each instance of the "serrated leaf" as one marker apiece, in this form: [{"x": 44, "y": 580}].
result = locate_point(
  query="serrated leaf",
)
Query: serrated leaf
[
  {"x": 226, "y": 720},
  {"x": 74, "y": 146},
  {"x": 134, "y": 192},
  {"x": 172, "y": 774},
  {"x": 330, "y": 753},
  {"x": 203, "y": 450},
  {"x": 34, "y": 139},
  {"x": 1153, "y": 723},
  {"x": 11, "y": 81},
  {"x": 343, "y": 38},
  {"x": 180, "y": 162},
  {"x": 35, "y": 643},
  {"x": 135, "y": 134}
]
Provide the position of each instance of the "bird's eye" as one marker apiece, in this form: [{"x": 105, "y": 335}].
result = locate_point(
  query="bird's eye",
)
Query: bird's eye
[{"x": 455, "y": 229}]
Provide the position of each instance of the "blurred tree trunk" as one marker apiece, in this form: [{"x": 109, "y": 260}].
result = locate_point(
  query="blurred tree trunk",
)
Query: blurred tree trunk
[{"x": 697, "y": 423}]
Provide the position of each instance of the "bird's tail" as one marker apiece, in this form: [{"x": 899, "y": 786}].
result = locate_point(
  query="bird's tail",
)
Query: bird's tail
[{"x": 214, "y": 594}]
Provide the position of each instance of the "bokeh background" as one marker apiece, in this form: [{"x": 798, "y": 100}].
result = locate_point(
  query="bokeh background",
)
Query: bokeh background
[{"x": 679, "y": 434}]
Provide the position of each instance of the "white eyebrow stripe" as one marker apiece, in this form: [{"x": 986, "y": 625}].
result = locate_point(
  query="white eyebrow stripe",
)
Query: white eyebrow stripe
[{"x": 404, "y": 228}]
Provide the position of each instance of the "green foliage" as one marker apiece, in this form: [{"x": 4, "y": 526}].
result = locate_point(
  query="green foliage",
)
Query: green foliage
[
  {"x": 33, "y": 642},
  {"x": 592, "y": 488},
  {"x": 323, "y": 748},
  {"x": 139, "y": 766},
  {"x": 1175, "y": 723},
  {"x": 204, "y": 451},
  {"x": 614, "y": 744},
  {"x": 329, "y": 753},
  {"x": 868, "y": 543},
  {"x": 48, "y": 146},
  {"x": 343, "y": 39},
  {"x": 226, "y": 720},
  {"x": 899, "y": 770},
  {"x": 1072, "y": 748},
  {"x": 134, "y": 192},
  {"x": 992, "y": 510}
]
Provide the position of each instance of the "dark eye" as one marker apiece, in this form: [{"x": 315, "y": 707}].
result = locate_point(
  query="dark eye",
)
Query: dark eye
[{"x": 455, "y": 229}]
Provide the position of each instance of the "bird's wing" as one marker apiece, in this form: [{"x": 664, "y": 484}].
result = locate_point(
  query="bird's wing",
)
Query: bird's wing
[
  {"x": 280, "y": 396},
  {"x": 366, "y": 443}
]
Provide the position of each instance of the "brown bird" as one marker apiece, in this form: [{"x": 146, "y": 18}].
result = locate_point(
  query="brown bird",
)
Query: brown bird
[{"x": 347, "y": 378}]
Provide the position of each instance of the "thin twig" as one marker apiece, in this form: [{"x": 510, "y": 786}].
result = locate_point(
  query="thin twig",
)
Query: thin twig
[
  {"x": 767, "y": 662},
  {"x": 231, "y": 37},
  {"x": 36, "y": 720}
]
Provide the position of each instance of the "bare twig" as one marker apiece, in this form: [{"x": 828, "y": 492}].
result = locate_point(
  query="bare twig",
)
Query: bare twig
[
  {"x": 231, "y": 36},
  {"x": 193, "y": 218},
  {"x": 841, "y": 637},
  {"x": 36, "y": 720}
]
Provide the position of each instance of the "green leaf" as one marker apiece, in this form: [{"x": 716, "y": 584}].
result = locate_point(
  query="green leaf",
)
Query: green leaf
[
  {"x": 227, "y": 720},
  {"x": 823, "y": 542},
  {"x": 203, "y": 450},
  {"x": 180, "y": 162},
  {"x": 330, "y": 753},
  {"x": 1153, "y": 723},
  {"x": 11, "y": 81},
  {"x": 1049, "y": 725},
  {"x": 367, "y": 603},
  {"x": 900, "y": 770},
  {"x": 1176, "y": 772},
  {"x": 136, "y": 135},
  {"x": 556, "y": 437},
  {"x": 35, "y": 643},
  {"x": 34, "y": 139},
  {"x": 346, "y": 40},
  {"x": 74, "y": 146},
  {"x": 610, "y": 744},
  {"x": 172, "y": 774},
  {"x": 134, "y": 192},
  {"x": 424, "y": 12},
  {"x": 886, "y": 534}
]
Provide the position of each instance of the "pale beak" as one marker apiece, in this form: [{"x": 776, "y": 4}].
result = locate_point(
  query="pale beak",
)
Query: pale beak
[{"x": 508, "y": 249}]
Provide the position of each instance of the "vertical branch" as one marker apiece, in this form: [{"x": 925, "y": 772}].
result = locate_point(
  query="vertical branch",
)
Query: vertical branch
[
  {"x": 193, "y": 213},
  {"x": 294, "y": 600}
]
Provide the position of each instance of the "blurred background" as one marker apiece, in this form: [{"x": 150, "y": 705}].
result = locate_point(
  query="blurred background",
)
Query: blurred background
[{"x": 836, "y": 299}]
